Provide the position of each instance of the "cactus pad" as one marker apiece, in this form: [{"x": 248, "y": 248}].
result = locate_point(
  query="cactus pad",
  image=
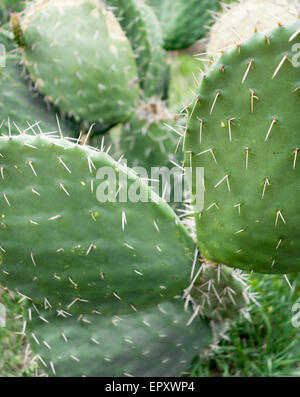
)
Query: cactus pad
[
  {"x": 146, "y": 139},
  {"x": 158, "y": 74},
  {"x": 183, "y": 21},
  {"x": 239, "y": 20},
  {"x": 144, "y": 32},
  {"x": 79, "y": 58},
  {"x": 134, "y": 25},
  {"x": 244, "y": 130},
  {"x": 21, "y": 109},
  {"x": 156, "y": 342},
  {"x": 62, "y": 243}
]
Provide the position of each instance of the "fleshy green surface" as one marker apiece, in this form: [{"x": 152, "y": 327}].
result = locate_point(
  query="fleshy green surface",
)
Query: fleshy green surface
[
  {"x": 158, "y": 75},
  {"x": 238, "y": 21},
  {"x": 148, "y": 144},
  {"x": 129, "y": 15},
  {"x": 247, "y": 114},
  {"x": 183, "y": 21},
  {"x": 22, "y": 107},
  {"x": 142, "y": 27},
  {"x": 79, "y": 57},
  {"x": 149, "y": 141},
  {"x": 156, "y": 342},
  {"x": 62, "y": 244},
  {"x": 184, "y": 70}
]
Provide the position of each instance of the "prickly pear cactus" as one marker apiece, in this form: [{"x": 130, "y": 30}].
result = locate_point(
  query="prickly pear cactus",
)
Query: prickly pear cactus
[
  {"x": 86, "y": 68},
  {"x": 183, "y": 22},
  {"x": 146, "y": 139},
  {"x": 73, "y": 234},
  {"x": 144, "y": 32},
  {"x": 21, "y": 109},
  {"x": 239, "y": 20},
  {"x": 158, "y": 74},
  {"x": 245, "y": 134},
  {"x": 134, "y": 25},
  {"x": 220, "y": 293},
  {"x": 185, "y": 70},
  {"x": 155, "y": 342}
]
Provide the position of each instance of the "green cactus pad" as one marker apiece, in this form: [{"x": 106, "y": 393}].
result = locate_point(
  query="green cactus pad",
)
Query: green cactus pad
[
  {"x": 65, "y": 241},
  {"x": 134, "y": 25},
  {"x": 21, "y": 108},
  {"x": 144, "y": 32},
  {"x": 156, "y": 342},
  {"x": 158, "y": 74},
  {"x": 238, "y": 21},
  {"x": 79, "y": 58},
  {"x": 149, "y": 141},
  {"x": 146, "y": 139},
  {"x": 185, "y": 71},
  {"x": 183, "y": 21},
  {"x": 244, "y": 130}
]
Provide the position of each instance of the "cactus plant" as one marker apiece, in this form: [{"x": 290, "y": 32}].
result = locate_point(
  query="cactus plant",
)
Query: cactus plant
[
  {"x": 220, "y": 293},
  {"x": 154, "y": 342},
  {"x": 101, "y": 260},
  {"x": 129, "y": 15},
  {"x": 50, "y": 188},
  {"x": 146, "y": 139},
  {"x": 144, "y": 32},
  {"x": 157, "y": 77},
  {"x": 183, "y": 22},
  {"x": 250, "y": 221},
  {"x": 185, "y": 70},
  {"x": 150, "y": 140},
  {"x": 89, "y": 73},
  {"x": 21, "y": 109},
  {"x": 239, "y": 20}
]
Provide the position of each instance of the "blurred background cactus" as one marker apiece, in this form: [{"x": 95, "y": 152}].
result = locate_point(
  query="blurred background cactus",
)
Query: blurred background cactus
[{"x": 147, "y": 288}]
